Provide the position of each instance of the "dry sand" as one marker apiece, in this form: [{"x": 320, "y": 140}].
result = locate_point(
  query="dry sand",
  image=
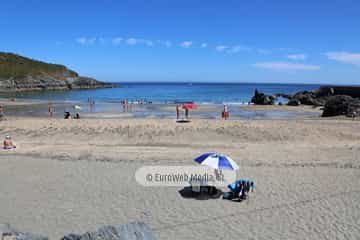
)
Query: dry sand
[{"x": 77, "y": 175}]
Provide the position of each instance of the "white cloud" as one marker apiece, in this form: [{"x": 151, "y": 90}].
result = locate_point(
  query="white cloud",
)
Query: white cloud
[
  {"x": 91, "y": 40},
  {"x": 116, "y": 41},
  {"x": 238, "y": 48},
  {"x": 263, "y": 51},
  {"x": 147, "y": 42},
  {"x": 81, "y": 40},
  {"x": 221, "y": 48},
  {"x": 85, "y": 41},
  {"x": 233, "y": 49},
  {"x": 165, "y": 43},
  {"x": 136, "y": 41},
  {"x": 287, "y": 49},
  {"x": 131, "y": 41},
  {"x": 344, "y": 57},
  {"x": 286, "y": 66},
  {"x": 102, "y": 40},
  {"x": 297, "y": 57},
  {"x": 186, "y": 44}
]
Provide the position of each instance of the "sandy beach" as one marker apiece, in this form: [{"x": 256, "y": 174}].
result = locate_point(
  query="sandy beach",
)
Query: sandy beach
[
  {"x": 77, "y": 175},
  {"x": 180, "y": 120}
]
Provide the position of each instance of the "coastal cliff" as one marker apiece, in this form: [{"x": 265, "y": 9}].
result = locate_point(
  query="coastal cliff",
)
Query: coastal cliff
[{"x": 18, "y": 73}]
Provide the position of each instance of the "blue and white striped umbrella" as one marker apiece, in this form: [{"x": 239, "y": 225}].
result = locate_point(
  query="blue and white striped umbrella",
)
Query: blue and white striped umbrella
[{"x": 217, "y": 161}]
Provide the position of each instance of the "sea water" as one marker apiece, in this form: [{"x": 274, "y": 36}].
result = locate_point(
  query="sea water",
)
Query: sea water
[{"x": 202, "y": 93}]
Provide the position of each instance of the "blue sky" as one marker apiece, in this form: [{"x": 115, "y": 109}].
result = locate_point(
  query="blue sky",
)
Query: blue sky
[{"x": 190, "y": 40}]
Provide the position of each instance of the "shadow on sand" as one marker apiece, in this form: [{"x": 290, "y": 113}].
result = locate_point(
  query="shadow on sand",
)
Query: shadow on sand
[{"x": 187, "y": 192}]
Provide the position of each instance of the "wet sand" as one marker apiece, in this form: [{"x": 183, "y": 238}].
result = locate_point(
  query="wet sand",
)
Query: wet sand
[{"x": 39, "y": 108}]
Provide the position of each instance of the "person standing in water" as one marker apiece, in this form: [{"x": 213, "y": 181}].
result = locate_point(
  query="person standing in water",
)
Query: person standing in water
[
  {"x": 225, "y": 113},
  {"x": 186, "y": 113},
  {"x": 92, "y": 105},
  {"x": 50, "y": 109},
  {"x": 177, "y": 111},
  {"x": 2, "y": 115}
]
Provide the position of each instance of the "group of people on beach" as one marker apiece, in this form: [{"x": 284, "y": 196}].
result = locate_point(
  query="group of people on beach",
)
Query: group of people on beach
[
  {"x": 240, "y": 190},
  {"x": 126, "y": 105},
  {"x": 224, "y": 114},
  {"x": 67, "y": 115},
  {"x": 178, "y": 112},
  {"x": 244, "y": 188}
]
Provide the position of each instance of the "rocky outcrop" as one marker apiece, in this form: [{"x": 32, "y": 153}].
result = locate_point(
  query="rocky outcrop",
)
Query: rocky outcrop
[
  {"x": 341, "y": 105},
  {"x": 30, "y": 83},
  {"x": 130, "y": 231},
  {"x": 19, "y": 73},
  {"x": 354, "y": 109},
  {"x": 262, "y": 99},
  {"x": 337, "y": 100},
  {"x": 308, "y": 98},
  {"x": 9, "y": 233},
  {"x": 320, "y": 96},
  {"x": 293, "y": 102},
  {"x": 352, "y": 91}
]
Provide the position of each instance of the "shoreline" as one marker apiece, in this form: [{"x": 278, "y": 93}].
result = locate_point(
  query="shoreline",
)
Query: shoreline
[{"x": 39, "y": 109}]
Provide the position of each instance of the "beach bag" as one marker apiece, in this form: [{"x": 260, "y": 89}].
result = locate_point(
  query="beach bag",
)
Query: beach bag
[{"x": 228, "y": 195}]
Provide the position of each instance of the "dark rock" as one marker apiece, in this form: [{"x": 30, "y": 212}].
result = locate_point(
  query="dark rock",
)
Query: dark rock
[
  {"x": 326, "y": 91},
  {"x": 321, "y": 96},
  {"x": 308, "y": 98},
  {"x": 354, "y": 109},
  {"x": 5, "y": 228},
  {"x": 293, "y": 102},
  {"x": 305, "y": 98},
  {"x": 341, "y": 105},
  {"x": 130, "y": 231},
  {"x": 7, "y": 232},
  {"x": 262, "y": 99},
  {"x": 72, "y": 236}
]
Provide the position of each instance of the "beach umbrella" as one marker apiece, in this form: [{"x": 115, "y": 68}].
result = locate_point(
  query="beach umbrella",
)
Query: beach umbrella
[
  {"x": 77, "y": 107},
  {"x": 189, "y": 106},
  {"x": 217, "y": 161}
]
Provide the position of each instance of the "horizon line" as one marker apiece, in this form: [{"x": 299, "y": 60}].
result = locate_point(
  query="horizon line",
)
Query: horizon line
[{"x": 229, "y": 82}]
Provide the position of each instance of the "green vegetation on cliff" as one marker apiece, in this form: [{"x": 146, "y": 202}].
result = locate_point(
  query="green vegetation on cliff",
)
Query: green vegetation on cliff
[
  {"x": 16, "y": 66},
  {"x": 18, "y": 73}
]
